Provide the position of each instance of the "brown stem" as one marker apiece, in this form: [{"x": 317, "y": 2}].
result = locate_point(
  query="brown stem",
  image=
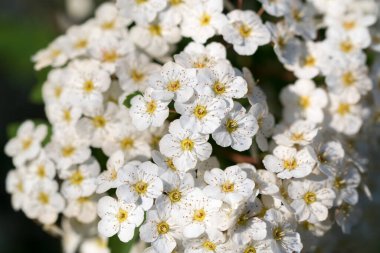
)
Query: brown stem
[
  {"x": 261, "y": 11},
  {"x": 239, "y": 158},
  {"x": 240, "y": 4}
]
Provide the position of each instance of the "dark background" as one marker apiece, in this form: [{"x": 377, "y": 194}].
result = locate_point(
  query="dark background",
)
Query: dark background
[{"x": 29, "y": 25}]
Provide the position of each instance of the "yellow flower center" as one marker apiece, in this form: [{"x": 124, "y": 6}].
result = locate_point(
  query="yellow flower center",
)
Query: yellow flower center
[
  {"x": 243, "y": 219},
  {"x": 163, "y": 227},
  {"x": 278, "y": 234},
  {"x": 151, "y": 107},
  {"x": 26, "y": 143},
  {"x": 88, "y": 86},
  {"x": 170, "y": 164},
  {"x": 219, "y": 88},
  {"x": 310, "y": 197},
  {"x": 210, "y": 246},
  {"x": 77, "y": 178},
  {"x": 43, "y": 198},
  {"x": 141, "y": 187},
  {"x": 228, "y": 187},
  {"x": 110, "y": 56},
  {"x": 99, "y": 121},
  {"x": 250, "y": 249},
  {"x": 187, "y": 144},
  {"x": 231, "y": 125},
  {"x": 55, "y": 53},
  {"x": 57, "y": 91},
  {"x": 108, "y": 25},
  {"x": 343, "y": 109},
  {"x": 309, "y": 61},
  {"x": 126, "y": 143},
  {"x": 173, "y": 86},
  {"x": 67, "y": 151},
  {"x": 175, "y": 196},
  {"x": 66, "y": 115},
  {"x": 245, "y": 31},
  {"x": 339, "y": 183},
  {"x": 41, "y": 172},
  {"x": 82, "y": 200},
  {"x": 346, "y": 46},
  {"x": 155, "y": 30},
  {"x": 175, "y": 2},
  {"x": 122, "y": 215},
  {"x": 141, "y": 1},
  {"x": 297, "y": 137},
  {"x": 200, "y": 111},
  {"x": 199, "y": 215},
  {"x": 137, "y": 76},
  {"x": 304, "y": 102},
  {"x": 290, "y": 164},
  {"x": 80, "y": 44},
  {"x": 205, "y": 19},
  {"x": 348, "y": 79},
  {"x": 349, "y": 25}
]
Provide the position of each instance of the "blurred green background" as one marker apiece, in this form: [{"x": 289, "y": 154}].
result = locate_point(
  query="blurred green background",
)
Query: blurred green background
[{"x": 27, "y": 26}]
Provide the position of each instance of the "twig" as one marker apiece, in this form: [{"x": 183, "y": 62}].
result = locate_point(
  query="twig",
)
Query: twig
[
  {"x": 229, "y": 6},
  {"x": 240, "y": 4},
  {"x": 239, "y": 158},
  {"x": 261, "y": 11}
]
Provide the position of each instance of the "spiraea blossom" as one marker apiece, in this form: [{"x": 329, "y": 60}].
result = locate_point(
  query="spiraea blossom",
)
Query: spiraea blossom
[{"x": 161, "y": 126}]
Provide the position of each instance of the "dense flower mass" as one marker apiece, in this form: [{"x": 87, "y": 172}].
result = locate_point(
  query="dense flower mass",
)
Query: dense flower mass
[{"x": 143, "y": 134}]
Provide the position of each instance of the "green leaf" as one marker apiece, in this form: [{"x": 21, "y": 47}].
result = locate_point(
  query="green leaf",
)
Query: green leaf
[
  {"x": 127, "y": 100},
  {"x": 118, "y": 246},
  {"x": 12, "y": 129}
]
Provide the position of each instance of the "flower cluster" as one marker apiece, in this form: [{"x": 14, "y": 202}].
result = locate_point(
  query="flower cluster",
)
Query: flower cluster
[{"x": 141, "y": 131}]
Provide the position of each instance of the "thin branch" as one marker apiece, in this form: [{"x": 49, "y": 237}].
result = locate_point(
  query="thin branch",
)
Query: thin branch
[
  {"x": 240, "y": 4},
  {"x": 239, "y": 158},
  {"x": 229, "y": 6},
  {"x": 261, "y": 11}
]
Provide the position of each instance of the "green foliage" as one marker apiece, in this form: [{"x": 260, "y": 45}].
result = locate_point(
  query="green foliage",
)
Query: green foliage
[
  {"x": 127, "y": 100},
  {"x": 120, "y": 247}
]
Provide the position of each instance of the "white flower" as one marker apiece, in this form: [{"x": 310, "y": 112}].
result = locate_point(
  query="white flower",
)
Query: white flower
[
  {"x": 204, "y": 113},
  {"x": 95, "y": 245},
  {"x": 346, "y": 216},
  {"x": 80, "y": 181},
  {"x": 200, "y": 215},
  {"x": 300, "y": 18},
  {"x": 281, "y": 234},
  {"x": 198, "y": 56},
  {"x": 174, "y": 82},
  {"x": 109, "y": 179},
  {"x": 161, "y": 229},
  {"x": 109, "y": 20},
  {"x": 303, "y": 99},
  {"x": 26, "y": 145},
  {"x": 108, "y": 50},
  {"x": 53, "y": 87},
  {"x": 205, "y": 244},
  {"x": 223, "y": 81},
  {"x": 237, "y": 129},
  {"x": 276, "y": 8},
  {"x": 140, "y": 184},
  {"x": 345, "y": 182},
  {"x": 288, "y": 162},
  {"x": 55, "y": 54},
  {"x": 347, "y": 117},
  {"x": 203, "y": 20},
  {"x": 230, "y": 185},
  {"x": 245, "y": 31},
  {"x": 118, "y": 217},
  {"x": 44, "y": 203},
  {"x": 133, "y": 72},
  {"x": 15, "y": 185},
  {"x": 350, "y": 81},
  {"x": 82, "y": 208},
  {"x": 300, "y": 132},
  {"x": 67, "y": 148},
  {"x": 265, "y": 121},
  {"x": 40, "y": 169},
  {"x": 79, "y": 39},
  {"x": 185, "y": 146},
  {"x": 158, "y": 36},
  {"x": 176, "y": 189},
  {"x": 330, "y": 154},
  {"x": 141, "y": 11},
  {"x": 146, "y": 111},
  {"x": 63, "y": 115},
  {"x": 85, "y": 82},
  {"x": 311, "y": 200}
]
